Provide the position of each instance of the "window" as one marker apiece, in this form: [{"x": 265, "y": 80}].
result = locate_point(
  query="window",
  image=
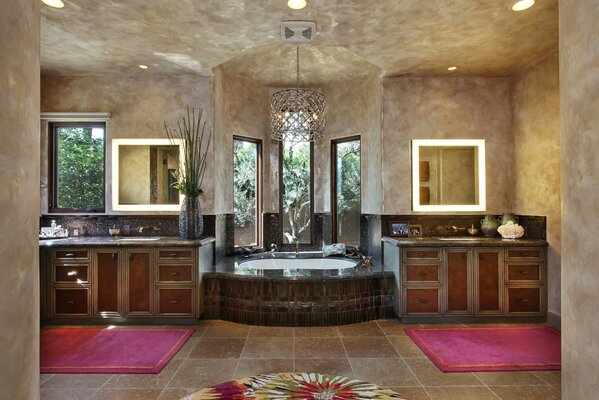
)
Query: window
[
  {"x": 247, "y": 199},
  {"x": 296, "y": 194},
  {"x": 77, "y": 167},
  {"x": 346, "y": 190}
]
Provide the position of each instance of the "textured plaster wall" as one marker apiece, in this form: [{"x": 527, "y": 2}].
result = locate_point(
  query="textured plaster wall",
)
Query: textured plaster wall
[
  {"x": 138, "y": 107},
  {"x": 579, "y": 102},
  {"x": 19, "y": 198},
  {"x": 536, "y": 167},
  {"x": 445, "y": 108},
  {"x": 242, "y": 111},
  {"x": 353, "y": 108}
]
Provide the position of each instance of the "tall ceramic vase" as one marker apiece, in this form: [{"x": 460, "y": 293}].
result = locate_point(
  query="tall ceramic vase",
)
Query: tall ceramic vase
[{"x": 191, "y": 222}]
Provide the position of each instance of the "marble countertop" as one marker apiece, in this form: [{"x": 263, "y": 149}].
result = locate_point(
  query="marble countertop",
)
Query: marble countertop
[
  {"x": 462, "y": 241},
  {"x": 120, "y": 241},
  {"x": 233, "y": 267}
]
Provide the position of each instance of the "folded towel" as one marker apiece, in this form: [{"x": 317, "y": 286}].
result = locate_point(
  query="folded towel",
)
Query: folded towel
[{"x": 335, "y": 249}]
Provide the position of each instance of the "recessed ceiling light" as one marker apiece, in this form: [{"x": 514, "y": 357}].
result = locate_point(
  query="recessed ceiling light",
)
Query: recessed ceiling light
[
  {"x": 296, "y": 4},
  {"x": 54, "y": 3},
  {"x": 522, "y": 5},
  {"x": 453, "y": 68},
  {"x": 143, "y": 66}
]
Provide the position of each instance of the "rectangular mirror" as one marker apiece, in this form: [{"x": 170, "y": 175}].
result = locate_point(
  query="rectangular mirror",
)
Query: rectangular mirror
[
  {"x": 142, "y": 175},
  {"x": 448, "y": 175}
]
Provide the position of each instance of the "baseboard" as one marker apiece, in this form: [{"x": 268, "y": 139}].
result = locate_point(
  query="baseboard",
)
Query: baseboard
[{"x": 554, "y": 320}]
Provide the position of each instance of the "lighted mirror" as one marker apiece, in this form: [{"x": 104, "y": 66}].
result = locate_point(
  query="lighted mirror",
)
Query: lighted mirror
[
  {"x": 142, "y": 175},
  {"x": 448, "y": 175}
]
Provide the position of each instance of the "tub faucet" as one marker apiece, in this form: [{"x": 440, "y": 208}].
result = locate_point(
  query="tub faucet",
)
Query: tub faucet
[
  {"x": 273, "y": 248},
  {"x": 296, "y": 247}
]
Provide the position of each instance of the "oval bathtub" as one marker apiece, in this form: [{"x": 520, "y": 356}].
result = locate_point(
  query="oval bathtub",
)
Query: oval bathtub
[{"x": 298, "y": 263}]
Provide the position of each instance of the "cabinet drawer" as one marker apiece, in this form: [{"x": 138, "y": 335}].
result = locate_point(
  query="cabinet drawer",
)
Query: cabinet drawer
[
  {"x": 524, "y": 254},
  {"x": 524, "y": 300},
  {"x": 422, "y": 254},
  {"x": 174, "y": 273},
  {"x": 71, "y": 302},
  {"x": 175, "y": 301},
  {"x": 71, "y": 274},
  {"x": 71, "y": 254},
  {"x": 523, "y": 272},
  {"x": 422, "y": 273},
  {"x": 422, "y": 301},
  {"x": 175, "y": 254}
]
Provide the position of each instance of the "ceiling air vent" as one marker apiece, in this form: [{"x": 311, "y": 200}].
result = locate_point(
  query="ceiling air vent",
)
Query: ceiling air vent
[{"x": 298, "y": 31}]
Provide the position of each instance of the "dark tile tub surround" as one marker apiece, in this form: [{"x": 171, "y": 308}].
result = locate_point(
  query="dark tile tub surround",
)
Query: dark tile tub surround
[
  {"x": 370, "y": 235},
  {"x": 297, "y": 297},
  {"x": 457, "y": 225}
]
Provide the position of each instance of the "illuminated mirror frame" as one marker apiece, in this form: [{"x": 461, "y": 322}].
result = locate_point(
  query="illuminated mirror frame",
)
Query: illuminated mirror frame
[
  {"x": 116, "y": 206},
  {"x": 482, "y": 192}
]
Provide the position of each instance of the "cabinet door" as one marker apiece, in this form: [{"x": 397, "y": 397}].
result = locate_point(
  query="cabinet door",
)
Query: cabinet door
[
  {"x": 107, "y": 283},
  {"x": 421, "y": 301},
  {"x": 459, "y": 282},
  {"x": 139, "y": 286},
  {"x": 489, "y": 281}
]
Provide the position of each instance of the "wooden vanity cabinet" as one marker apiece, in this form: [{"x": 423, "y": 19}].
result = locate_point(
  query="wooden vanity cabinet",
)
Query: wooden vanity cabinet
[
  {"x": 125, "y": 283},
  {"x": 472, "y": 281}
]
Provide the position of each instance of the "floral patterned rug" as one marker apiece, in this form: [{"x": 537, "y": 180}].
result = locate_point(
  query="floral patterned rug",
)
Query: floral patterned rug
[{"x": 310, "y": 386}]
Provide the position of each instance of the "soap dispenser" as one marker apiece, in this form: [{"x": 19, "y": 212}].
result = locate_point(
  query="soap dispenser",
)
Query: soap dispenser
[{"x": 53, "y": 228}]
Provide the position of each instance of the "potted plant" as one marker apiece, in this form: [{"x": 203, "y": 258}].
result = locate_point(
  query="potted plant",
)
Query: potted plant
[{"x": 190, "y": 133}]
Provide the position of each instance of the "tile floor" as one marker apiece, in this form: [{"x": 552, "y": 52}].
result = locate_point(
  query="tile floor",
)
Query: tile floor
[{"x": 376, "y": 351}]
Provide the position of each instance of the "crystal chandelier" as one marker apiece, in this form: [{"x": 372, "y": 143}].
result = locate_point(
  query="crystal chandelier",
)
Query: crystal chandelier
[{"x": 297, "y": 115}]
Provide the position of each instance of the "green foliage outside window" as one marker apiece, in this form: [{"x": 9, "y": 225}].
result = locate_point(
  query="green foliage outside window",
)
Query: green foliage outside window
[
  {"x": 296, "y": 192},
  {"x": 80, "y": 168},
  {"x": 244, "y": 183},
  {"x": 348, "y": 176}
]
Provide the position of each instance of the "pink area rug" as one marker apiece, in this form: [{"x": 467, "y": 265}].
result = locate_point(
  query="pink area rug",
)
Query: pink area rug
[
  {"x": 490, "y": 349},
  {"x": 109, "y": 351}
]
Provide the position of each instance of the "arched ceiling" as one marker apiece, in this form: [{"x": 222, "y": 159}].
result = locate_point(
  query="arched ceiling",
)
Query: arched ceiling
[{"x": 397, "y": 37}]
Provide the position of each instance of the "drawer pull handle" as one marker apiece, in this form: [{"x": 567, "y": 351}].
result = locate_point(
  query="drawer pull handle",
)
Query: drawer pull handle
[
  {"x": 70, "y": 255},
  {"x": 422, "y": 273},
  {"x": 420, "y": 254},
  {"x": 70, "y": 301},
  {"x": 422, "y": 301},
  {"x": 524, "y": 300},
  {"x": 174, "y": 273},
  {"x": 173, "y": 254},
  {"x": 175, "y": 301},
  {"x": 114, "y": 256},
  {"x": 524, "y": 272}
]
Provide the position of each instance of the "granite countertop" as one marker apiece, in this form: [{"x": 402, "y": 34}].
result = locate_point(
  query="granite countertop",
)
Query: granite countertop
[
  {"x": 462, "y": 241},
  {"x": 120, "y": 241},
  {"x": 233, "y": 267}
]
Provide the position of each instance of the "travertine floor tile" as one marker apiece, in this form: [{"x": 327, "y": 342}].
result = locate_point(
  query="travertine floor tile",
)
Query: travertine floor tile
[
  {"x": 67, "y": 394},
  {"x": 405, "y": 346},
  {"x": 319, "y": 348},
  {"x": 526, "y": 392},
  {"x": 218, "y": 348},
  {"x": 226, "y": 329},
  {"x": 554, "y": 378},
  {"x": 316, "y": 331},
  {"x": 334, "y": 366},
  {"x": 383, "y": 371},
  {"x": 369, "y": 347},
  {"x": 203, "y": 372},
  {"x": 460, "y": 393},
  {"x": 76, "y": 381},
  {"x": 509, "y": 378},
  {"x": 45, "y": 377},
  {"x": 430, "y": 375},
  {"x": 261, "y": 347},
  {"x": 127, "y": 394},
  {"x": 394, "y": 326},
  {"x": 251, "y": 367},
  {"x": 186, "y": 349},
  {"x": 363, "y": 329},
  {"x": 175, "y": 394},
  {"x": 412, "y": 393},
  {"x": 144, "y": 381},
  {"x": 271, "y": 331}
]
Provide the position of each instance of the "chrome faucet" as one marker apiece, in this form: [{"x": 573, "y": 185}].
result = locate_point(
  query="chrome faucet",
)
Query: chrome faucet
[{"x": 273, "y": 249}]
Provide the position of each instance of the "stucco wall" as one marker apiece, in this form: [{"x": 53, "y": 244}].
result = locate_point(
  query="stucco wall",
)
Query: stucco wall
[
  {"x": 19, "y": 198},
  {"x": 353, "y": 108},
  {"x": 445, "y": 108},
  {"x": 536, "y": 166},
  {"x": 138, "y": 107},
  {"x": 579, "y": 102}
]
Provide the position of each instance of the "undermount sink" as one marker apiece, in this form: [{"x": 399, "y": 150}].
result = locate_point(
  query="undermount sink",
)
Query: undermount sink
[
  {"x": 138, "y": 239},
  {"x": 461, "y": 238}
]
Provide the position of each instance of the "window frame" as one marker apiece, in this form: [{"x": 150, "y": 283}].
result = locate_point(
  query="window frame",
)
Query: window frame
[
  {"x": 281, "y": 212},
  {"x": 333, "y": 180},
  {"x": 52, "y": 165},
  {"x": 259, "y": 187}
]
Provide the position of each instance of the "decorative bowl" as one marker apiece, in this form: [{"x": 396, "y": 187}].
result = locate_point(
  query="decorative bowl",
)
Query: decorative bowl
[
  {"x": 472, "y": 231},
  {"x": 114, "y": 231}
]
